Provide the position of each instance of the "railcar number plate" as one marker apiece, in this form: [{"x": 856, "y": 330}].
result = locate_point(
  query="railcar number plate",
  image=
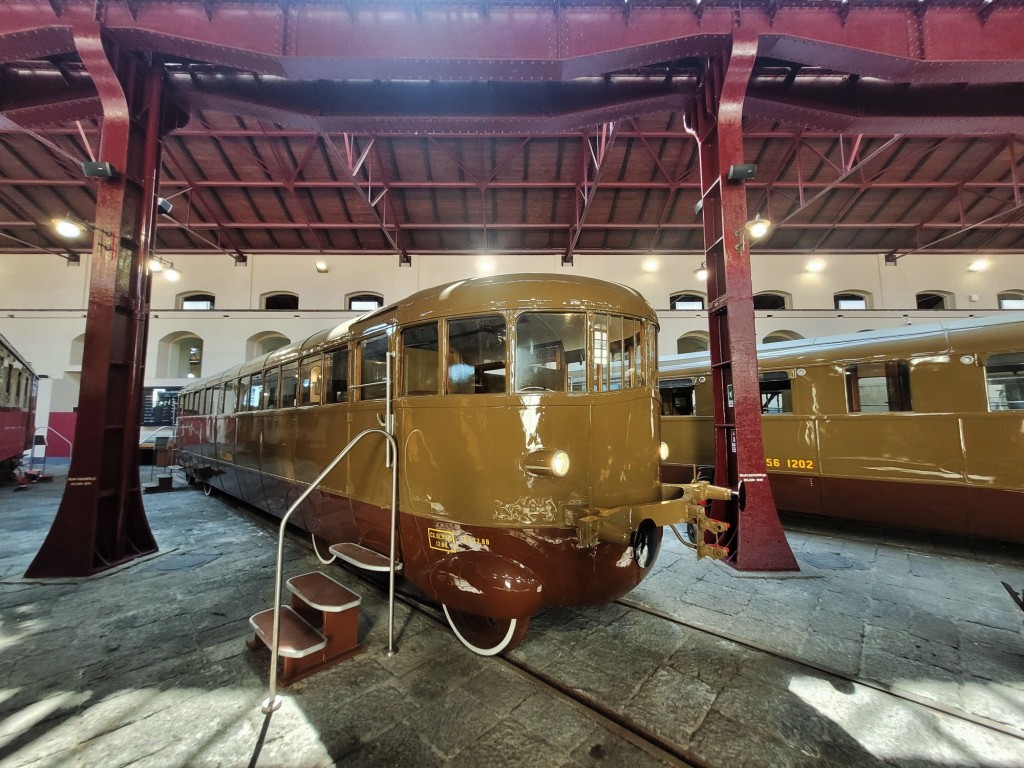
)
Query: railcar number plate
[{"x": 789, "y": 463}]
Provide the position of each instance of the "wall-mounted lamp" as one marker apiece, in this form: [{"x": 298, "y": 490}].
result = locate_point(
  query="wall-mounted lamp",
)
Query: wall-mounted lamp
[
  {"x": 650, "y": 265},
  {"x": 754, "y": 229},
  {"x": 979, "y": 265},
  {"x": 159, "y": 264},
  {"x": 321, "y": 267},
  {"x": 701, "y": 272},
  {"x": 485, "y": 265},
  {"x": 815, "y": 265}
]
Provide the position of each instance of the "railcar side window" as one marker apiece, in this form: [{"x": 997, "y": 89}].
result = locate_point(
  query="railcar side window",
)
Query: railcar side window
[
  {"x": 421, "y": 356},
  {"x": 271, "y": 386},
  {"x": 373, "y": 366},
  {"x": 678, "y": 397},
  {"x": 309, "y": 381},
  {"x": 551, "y": 352},
  {"x": 336, "y": 374},
  {"x": 213, "y": 401},
  {"x": 476, "y": 355},
  {"x": 776, "y": 392},
  {"x": 256, "y": 392},
  {"x": 289, "y": 385},
  {"x": 1004, "y": 379},
  {"x": 878, "y": 387},
  {"x": 229, "y": 398},
  {"x": 243, "y": 393},
  {"x": 618, "y": 353}
]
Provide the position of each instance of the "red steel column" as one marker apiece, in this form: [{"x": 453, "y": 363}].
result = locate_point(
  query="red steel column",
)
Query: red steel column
[
  {"x": 756, "y": 539},
  {"x": 101, "y": 521}
]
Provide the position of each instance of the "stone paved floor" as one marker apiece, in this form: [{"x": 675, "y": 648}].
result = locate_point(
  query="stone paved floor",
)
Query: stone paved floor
[{"x": 146, "y": 665}]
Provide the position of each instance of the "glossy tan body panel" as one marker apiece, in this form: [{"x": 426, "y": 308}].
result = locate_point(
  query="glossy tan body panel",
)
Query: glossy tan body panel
[
  {"x": 476, "y": 531},
  {"x": 948, "y": 466}
]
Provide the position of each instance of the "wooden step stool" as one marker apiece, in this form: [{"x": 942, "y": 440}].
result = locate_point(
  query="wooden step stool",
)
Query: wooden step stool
[{"x": 320, "y": 628}]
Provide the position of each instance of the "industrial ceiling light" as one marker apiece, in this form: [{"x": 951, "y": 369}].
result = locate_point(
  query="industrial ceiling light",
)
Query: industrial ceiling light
[
  {"x": 68, "y": 226},
  {"x": 757, "y": 227},
  {"x": 701, "y": 272}
]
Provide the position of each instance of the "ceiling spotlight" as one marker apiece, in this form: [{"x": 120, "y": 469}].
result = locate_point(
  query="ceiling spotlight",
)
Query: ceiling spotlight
[
  {"x": 164, "y": 206},
  {"x": 701, "y": 272},
  {"x": 321, "y": 266},
  {"x": 757, "y": 227},
  {"x": 67, "y": 227}
]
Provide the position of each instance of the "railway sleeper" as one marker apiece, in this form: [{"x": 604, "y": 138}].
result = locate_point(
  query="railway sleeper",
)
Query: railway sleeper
[{"x": 319, "y": 629}]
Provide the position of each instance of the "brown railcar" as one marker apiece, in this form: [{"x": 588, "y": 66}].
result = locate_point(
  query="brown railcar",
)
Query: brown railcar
[
  {"x": 920, "y": 427},
  {"x": 18, "y": 385},
  {"x": 525, "y": 411}
]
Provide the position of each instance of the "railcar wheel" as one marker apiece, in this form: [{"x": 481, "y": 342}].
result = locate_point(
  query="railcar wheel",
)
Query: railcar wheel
[
  {"x": 645, "y": 543},
  {"x": 484, "y": 635}
]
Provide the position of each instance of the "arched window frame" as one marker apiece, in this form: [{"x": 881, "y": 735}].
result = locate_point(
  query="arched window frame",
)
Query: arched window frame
[
  {"x": 947, "y": 300},
  {"x": 1012, "y": 300},
  {"x": 851, "y": 295},
  {"x": 364, "y": 296},
  {"x": 196, "y": 297},
  {"x": 265, "y": 298},
  {"x": 677, "y": 295},
  {"x": 693, "y": 341},
  {"x": 787, "y": 300},
  {"x": 256, "y": 345},
  {"x": 781, "y": 335}
]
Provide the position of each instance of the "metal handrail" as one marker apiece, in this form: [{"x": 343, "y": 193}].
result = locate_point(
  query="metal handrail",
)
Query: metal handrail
[
  {"x": 155, "y": 432},
  {"x": 273, "y": 701},
  {"x": 32, "y": 455}
]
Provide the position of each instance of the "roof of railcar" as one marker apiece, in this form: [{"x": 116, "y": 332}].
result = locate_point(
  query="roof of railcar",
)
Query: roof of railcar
[
  {"x": 474, "y": 295},
  {"x": 913, "y": 340},
  {"x": 5, "y": 344}
]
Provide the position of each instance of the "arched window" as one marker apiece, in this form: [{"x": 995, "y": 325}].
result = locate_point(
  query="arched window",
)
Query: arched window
[
  {"x": 280, "y": 300},
  {"x": 364, "y": 302},
  {"x": 935, "y": 300},
  {"x": 853, "y": 300},
  {"x": 1011, "y": 300},
  {"x": 772, "y": 300},
  {"x": 195, "y": 300},
  {"x": 783, "y": 335},
  {"x": 263, "y": 342},
  {"x": 694, "y": 341},
  {"x": 77, "y": 350},
  {"x": 686, "y": 300},
  {"x": 179, "y": 356}
]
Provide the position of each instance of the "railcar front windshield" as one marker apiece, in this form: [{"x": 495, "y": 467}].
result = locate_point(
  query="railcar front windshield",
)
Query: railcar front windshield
[{"x": 555, "y": 351}]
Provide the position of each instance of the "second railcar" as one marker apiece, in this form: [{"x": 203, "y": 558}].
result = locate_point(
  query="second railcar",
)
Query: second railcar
[
  {"x": 920, "y": 427},
  {"x": 18, "y": 386},
  {"x": 525, "y": 409}
]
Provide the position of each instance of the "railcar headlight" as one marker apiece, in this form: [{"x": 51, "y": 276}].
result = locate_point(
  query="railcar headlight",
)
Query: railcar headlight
[
  {"x": 663, "y": 451},
  {"x": 547, "y": 463}
]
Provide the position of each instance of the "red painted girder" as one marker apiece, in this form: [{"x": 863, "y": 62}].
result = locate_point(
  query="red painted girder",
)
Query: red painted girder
[{"x": 928, "y": 43}]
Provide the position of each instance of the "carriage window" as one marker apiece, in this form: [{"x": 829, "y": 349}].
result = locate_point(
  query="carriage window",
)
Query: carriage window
[
  {"x": 678, "y": 398},
  {"x": 1004, "y": 379},
  {"x": 243, "y": 393},
  {"x": 289, "y": 385},
  {"x": 878, "y": 387},
  {"x": 336, "y": 374},
  {"x": 618, "y": 353},
  {"x": 256, "y": 392},
  {"x": 373, "y": 368},
  {"x": 421, "y": 355},
  {"x": 776, "y": 393},
  {"x": 309, "y": 381},
  {"x": 213, "y": 406},
  {"x": 229, "y": 398},
  {"x": 476, "y": 355},
  {"x": 551, "y": 352},
  {"x": 271, "y": 386}
]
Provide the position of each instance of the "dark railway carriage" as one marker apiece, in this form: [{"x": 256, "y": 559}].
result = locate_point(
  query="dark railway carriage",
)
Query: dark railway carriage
[
  {"x": 18, "y": 384},
  {"x": 920, "y": 427},
  {"x": 525, "y": 410}
]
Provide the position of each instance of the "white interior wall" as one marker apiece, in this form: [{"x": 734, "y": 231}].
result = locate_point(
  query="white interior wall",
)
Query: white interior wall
[{"x": 43, "y": 300}]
